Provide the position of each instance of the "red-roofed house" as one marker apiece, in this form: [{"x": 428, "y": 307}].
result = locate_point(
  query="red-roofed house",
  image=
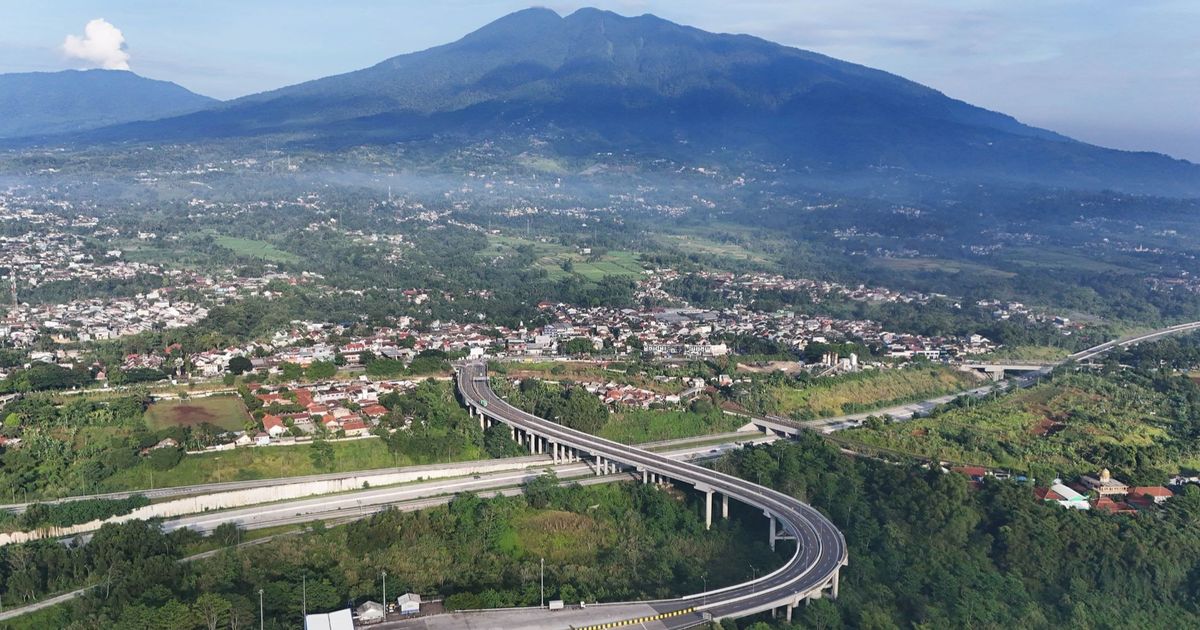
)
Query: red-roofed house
[
  {"x": 974, "y": 473},
  {"x": 273, "y": 425},
  {"x": 356, "y": 427},
  {"x": 375, "y": 411},
  {"x": 1157, "y": 493},
  {"x": 303, "y": 397},
  {"x": 267, "y": 399},
  {"x": 1105, "y": 504}
]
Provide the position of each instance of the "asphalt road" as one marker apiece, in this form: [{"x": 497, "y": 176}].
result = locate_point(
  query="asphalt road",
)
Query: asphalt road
[{"x": 820, "y": 551}]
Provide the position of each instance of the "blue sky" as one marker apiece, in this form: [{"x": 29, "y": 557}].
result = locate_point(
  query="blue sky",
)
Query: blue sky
[{"x": 1115, "y": 72}]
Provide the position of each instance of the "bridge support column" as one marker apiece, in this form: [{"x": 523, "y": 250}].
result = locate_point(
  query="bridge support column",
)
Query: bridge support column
[
  {"x": 771, "y": 517},
  {"x": 645, "y": 477},
  {"x": 512, "y": 433},
  {"x": 836, "y": 578},
  {"x": 725, "y": 506},
  {"x": 598, "y": 473},
  {"x": 708, "y": 509}
]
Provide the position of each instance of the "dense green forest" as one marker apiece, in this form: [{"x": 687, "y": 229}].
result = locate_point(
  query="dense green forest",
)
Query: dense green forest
[
  {"x": 927, "y": 551},
  {"x": 606, "y": 543}
]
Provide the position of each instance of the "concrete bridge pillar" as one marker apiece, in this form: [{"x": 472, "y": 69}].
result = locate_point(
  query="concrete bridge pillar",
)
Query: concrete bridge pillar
[
  {"x": 598, "y": 473},
  {"x": 708, "y": 509},
  {"x": 512, "y": 433},
  {"x": 645, "y": 476},
  {"x": 725, "y": 506},
  {"x": 771, "y": 518}
]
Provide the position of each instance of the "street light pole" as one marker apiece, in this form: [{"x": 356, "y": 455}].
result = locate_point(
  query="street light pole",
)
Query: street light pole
[
  {"x": 385, "y": 593},
  {"x": 304, "y": 596},
  {"x": 705, "y": 578},
  {"x": 261, "y": 619},
  {"x": 543, "y": 581}
]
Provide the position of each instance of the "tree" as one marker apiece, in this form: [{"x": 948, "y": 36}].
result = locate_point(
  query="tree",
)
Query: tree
[
  {"x": 164, "y": 458},
  {"x": 290, "y": 371},
  {"x": 321, "y": 454},
  {"x": 240, "y": 365},
  {"x": 578, "y": 345},
  {"x": 540, "y": 491},
  {"x": 498, "y": 443},
  {"x": 321, "y": 370},
  {"x": 212, "y": 609}
]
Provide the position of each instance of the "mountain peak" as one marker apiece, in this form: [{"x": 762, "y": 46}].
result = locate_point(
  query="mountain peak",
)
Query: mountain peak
[
  {"x": 34, "y": 103},
  {"x": 598, "y": 81}
]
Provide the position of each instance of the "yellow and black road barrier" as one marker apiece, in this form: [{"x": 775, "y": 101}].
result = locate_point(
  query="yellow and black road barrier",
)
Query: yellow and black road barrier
[{"x": 632, "y": 622}]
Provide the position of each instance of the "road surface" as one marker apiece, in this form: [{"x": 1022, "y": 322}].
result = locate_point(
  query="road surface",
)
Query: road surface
[{"x": 820, "y": 550}]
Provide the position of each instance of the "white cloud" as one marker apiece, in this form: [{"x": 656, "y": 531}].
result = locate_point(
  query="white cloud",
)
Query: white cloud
[{"x": 102, "y": 46}]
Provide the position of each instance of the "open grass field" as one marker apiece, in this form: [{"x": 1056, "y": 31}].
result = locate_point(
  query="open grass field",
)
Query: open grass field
[
  {"x": 697, "y": 242},
  {"x": 644, "y": 425},
  {"x": 868, "y": 390},
  {"x": 560, "y": 537},
  {"x": 226, "y": 412},
  {"x": 256, "y": 248},
  {"x": 1060, "y": 259},
  {"x": 585, "y": 372},
  {"x": 273, "y": 462},
  {"x": 939, "y": 265},
  {"x": 551, "y": 256},
  {"x": 1062, "y": 427}
]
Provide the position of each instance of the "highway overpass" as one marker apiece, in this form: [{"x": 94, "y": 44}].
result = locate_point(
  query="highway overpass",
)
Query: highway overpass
[{"x": 811, "y": 572}]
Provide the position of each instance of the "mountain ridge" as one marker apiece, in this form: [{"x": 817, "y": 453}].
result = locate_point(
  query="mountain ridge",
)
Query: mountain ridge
[
  {"x": 39, "y": 103},
  {"x": 597, "y": 81}
]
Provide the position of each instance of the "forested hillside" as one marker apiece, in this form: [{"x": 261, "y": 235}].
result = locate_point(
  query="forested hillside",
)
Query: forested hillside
[{"x": 927, "y": 551}]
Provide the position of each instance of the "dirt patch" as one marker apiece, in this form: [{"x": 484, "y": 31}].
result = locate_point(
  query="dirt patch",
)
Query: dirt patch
[
  {"x": 1046, "y": 427},
  {"x": 191, "y": 415}
]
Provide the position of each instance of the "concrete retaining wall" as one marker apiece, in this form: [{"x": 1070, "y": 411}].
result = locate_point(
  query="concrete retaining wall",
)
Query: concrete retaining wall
[{"x": 273, "y": 490}]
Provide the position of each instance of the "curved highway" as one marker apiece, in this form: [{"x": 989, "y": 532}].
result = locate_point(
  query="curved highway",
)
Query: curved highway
[
  {"x": 1092, "y": 352},
  {"x": 820, "y": 550}
]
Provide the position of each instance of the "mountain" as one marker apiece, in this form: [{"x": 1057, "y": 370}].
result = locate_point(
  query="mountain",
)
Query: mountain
[
  {"x": 597, "y": 81},
  {"x": 38, "y": 103}
]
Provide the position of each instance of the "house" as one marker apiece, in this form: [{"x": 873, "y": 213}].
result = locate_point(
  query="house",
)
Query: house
[
  {"x": 1105, "y": 485},
  {"x": 409, "y": 603},
  {"x": 273, "y": 425},
  {"x": 1106, "y": 504},
  {"x": 974, "y": 473},
  {"x": 370, "y": 612},
  {"x": 336, "y": 620},
  {"x": 375, "y": 411},
  {"x": 245, "y": 439},
  {"x": 165, "y": 443},
  {"x": 356, "y": 427},
  {"x": 261, "y": 439},
  {"x": 1063, "y": 495},
  {"x": 1157, "y": 494}
]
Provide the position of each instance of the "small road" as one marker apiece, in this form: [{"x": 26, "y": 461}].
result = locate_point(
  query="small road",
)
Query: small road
[
  {"x": 419, "y": 495},
  {"x": 429, "y": 470}
]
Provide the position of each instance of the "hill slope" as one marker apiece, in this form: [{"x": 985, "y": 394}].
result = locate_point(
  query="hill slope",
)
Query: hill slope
[
  {"x": 595, "y": 81},
  {"x": 35, "y": 103}
]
